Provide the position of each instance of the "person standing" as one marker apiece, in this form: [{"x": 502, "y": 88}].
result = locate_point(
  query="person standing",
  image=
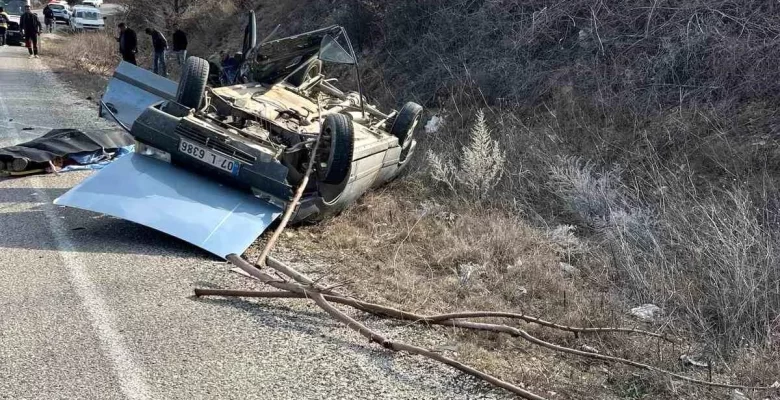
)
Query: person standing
[
  {"x": 128, "y": 43},
  {"x": 48, "y": 18},
  {"x": 31, "y": 28},
  {"x": 4, "y": 19},
  {"x": 160, "y": 44},
  {"x": 179, "y": 44}
]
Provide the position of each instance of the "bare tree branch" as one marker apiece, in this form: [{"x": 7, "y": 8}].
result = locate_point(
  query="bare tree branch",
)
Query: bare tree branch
[{"x": 300, "y": 291}]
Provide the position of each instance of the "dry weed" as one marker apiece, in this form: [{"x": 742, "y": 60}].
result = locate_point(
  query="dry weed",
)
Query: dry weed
[
  {"x": 480, "y": 166},
  {"x": 94, "y": 52}
]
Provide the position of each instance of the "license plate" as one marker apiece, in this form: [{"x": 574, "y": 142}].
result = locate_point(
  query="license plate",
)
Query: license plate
[{"x": 207, "y": 156}]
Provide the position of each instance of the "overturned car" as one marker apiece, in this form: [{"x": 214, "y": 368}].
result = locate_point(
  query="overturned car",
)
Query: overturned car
[{"x": 258, "y": 135}]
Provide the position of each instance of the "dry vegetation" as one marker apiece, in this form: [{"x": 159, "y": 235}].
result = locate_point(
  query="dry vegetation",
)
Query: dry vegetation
[{"x": 635, "y": 141}]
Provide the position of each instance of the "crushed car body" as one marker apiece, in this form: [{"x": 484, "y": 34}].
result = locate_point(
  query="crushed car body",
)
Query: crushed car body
[{"x": 257, "y": 135}]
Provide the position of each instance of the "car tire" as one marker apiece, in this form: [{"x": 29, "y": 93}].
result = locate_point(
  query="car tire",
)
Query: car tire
[
  {"x": 336, "y": 146},
  {"x": 302, "y": 75},
  {"x": 404, "y": 125},
  {"x": 193, "y": 82}
]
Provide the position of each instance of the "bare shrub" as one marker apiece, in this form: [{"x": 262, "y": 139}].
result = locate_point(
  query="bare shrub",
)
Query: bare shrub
[
  {"x": 721, "y": 264},
  {"x": 589, "y": 195},
  {"x": 480, "y": 165},
  {"x": 93, "y": 52},
  {"x": 706, "y": 255},
  {"x": 482, "y": 161}
]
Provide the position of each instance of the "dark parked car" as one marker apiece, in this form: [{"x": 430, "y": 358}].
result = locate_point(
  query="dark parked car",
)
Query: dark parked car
[
  {"x": 14, "y": 8},
  {"x": 13, "y": 35}
]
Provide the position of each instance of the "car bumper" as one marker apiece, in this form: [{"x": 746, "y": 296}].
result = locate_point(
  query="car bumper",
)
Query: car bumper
[
  {"x": 258, "y": 170},
  {"x": 88, "y": 28},
  {"x": 14, "y": 37}
]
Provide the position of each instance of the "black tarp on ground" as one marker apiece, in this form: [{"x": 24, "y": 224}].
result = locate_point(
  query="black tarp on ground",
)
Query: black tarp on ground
[{"x": 60, "y": 143}]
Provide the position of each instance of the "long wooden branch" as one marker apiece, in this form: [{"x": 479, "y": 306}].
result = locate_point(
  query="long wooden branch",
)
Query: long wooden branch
[
  {"x": 386, "y": 311},
  {"x": 261, "y": 259},
  {"x": 320, "y": 299},
  {"x": 548, "y": 324},
  {"x": 512, "y": 331},
  {"x": 400, "y": 346},
  {"x": 563, "y": 349}
]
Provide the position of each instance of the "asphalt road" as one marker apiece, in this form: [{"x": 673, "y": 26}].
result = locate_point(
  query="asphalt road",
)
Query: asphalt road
[{"x": 93, "y": 307}]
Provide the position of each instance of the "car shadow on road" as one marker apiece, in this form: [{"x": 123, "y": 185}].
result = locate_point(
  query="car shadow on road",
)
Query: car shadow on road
[
  {"x": 320, "y": 327},
  {"x": 25, "y": 225}
]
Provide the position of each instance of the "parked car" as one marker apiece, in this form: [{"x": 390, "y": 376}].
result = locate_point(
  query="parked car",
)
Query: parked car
[
  {"x": 14, "y": 8},
  {"x": 86, "y": 19},
  {"x": 92, "y": 3},
  {"x": 259, "y": 134},
  {"x": 61, "y": 11}
]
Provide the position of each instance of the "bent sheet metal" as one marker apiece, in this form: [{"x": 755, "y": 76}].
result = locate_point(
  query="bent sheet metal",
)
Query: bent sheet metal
[
  {"x": 217, "y": 218},
  {"x": 132, "y": 89}
]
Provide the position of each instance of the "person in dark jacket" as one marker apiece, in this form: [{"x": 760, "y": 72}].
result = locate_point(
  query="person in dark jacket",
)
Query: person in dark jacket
[
  {"x": 128, "y": 43},
  {"x": 179, "y": 44},
  {"x": 48, "y": 18},
  {"x": 160, "y": 44},
  {"x": 31, "y": 28}
]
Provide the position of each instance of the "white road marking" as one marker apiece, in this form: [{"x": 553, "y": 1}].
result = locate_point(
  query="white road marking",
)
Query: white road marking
[{"x": 125, "y": 368}]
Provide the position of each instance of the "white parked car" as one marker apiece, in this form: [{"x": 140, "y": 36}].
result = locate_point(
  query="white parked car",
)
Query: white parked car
[
  {"x": 92, "y": 3},
  {"x": 61, "y": 11},
  {"x": 86, "y": 18}
]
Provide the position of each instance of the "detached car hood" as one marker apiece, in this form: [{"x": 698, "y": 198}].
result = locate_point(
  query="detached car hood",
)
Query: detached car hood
[{"x": 214, "y": 217}]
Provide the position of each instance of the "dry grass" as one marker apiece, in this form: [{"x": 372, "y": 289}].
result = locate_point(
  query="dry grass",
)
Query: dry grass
[
  {"x": 94, "y": 53},
  {"x": 398, "y": 247}
]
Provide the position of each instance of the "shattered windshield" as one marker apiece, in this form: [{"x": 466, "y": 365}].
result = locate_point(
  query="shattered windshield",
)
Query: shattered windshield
[{"x": 278, "y": 58}]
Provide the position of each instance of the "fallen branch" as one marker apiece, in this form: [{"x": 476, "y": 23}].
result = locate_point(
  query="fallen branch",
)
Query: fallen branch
[
  {"x": 400, "y": 346},
  {"x": 296, "y": 198},
  {"x": 292, "y": 290},
  {"x": 385, "y": 311},
  {"x": 312, "y": 293},
  {"x": 539, "y": 321}
]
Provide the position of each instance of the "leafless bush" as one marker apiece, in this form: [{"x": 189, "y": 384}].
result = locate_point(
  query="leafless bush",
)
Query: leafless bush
[
  {"x": 480, "y": 165},
  {"x": 707, "y": 255},
  {"x": 93, "y": 52}
]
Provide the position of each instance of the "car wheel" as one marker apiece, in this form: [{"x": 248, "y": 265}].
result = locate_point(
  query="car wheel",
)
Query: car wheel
[
  {"x": 404, "y": 125},
  {"x": 304, "y": 74},
  {"x": 193, "y": 82},
  {"x": 334, "y": 157}
]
